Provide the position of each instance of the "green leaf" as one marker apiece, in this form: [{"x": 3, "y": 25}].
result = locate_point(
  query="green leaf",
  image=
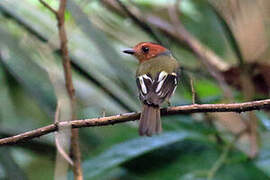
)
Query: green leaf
[
  {"x": 123, "y": 152},
  {"x": 191, "y": 160},
  {"x": 20, "y": 64}
]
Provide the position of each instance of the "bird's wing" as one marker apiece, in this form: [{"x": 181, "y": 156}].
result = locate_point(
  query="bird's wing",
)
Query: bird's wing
[{"x": 154, "y": 91}]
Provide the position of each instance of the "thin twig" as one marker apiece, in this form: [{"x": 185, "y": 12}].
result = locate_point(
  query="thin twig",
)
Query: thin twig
[
  {"x": 192, "y": 90},
  {"x": 62, "y": 151},
  {"x": 110, "y": 120},
  {"x": 57, "y": 113},
  {"x": 48, "y": 7},
  {"x": 75, "y": 149},
  {"x": 41, "y": 147},
  {"x": 57, "y": 143}
]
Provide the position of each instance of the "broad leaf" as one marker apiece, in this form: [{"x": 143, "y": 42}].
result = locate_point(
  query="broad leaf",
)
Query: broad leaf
[{"x": 123, "y": 152}]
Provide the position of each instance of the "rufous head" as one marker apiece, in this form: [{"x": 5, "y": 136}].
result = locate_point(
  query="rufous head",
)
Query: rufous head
[{"x": 146, "y": 50}]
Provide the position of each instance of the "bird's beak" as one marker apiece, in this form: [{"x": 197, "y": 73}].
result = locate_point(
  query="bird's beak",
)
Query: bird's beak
[{"x": 129, "y": 51}]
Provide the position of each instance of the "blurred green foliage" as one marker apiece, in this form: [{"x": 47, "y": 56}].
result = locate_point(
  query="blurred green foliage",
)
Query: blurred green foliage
[{"x": 104, "y": 82}]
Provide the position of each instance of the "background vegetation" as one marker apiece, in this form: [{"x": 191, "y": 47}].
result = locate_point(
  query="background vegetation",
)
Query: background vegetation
[{"x": 192, "y": 147}]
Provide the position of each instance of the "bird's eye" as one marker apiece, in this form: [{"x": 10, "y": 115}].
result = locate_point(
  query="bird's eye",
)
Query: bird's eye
[{"x": 145, "y": 49}]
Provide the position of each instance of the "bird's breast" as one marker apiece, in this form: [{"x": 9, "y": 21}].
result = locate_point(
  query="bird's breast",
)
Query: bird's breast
[{"x": 156, "y": 65}]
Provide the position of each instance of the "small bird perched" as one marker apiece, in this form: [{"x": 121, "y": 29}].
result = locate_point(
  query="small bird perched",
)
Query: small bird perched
[{"x": 157, "y": 78}]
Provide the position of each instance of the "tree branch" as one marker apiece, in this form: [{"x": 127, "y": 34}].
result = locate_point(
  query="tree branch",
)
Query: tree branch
[
  {"x": 75, "y": 149},
  {"x": 42, "y": 147},
  {"x": 110, "y": 120},
  {"x": 48, "y": 7}
]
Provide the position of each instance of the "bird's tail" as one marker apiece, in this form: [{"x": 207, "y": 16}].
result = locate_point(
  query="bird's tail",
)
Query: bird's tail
[{"x": 150, "y": 122}]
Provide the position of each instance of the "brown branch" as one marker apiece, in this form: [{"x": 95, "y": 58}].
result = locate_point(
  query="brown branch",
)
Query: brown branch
[
  {"x": 41, "y": 147},
  {"x": 193, "y": 92},
  {"x": 110, "y": 120},
  {"x": 48, "y": 7},
  {"x": 75, "y": 149},
  {"x": 60, "y": 149}
]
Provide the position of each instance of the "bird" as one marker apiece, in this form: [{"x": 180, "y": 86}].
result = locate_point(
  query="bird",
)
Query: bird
[{"x": 157, "y": 77}]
